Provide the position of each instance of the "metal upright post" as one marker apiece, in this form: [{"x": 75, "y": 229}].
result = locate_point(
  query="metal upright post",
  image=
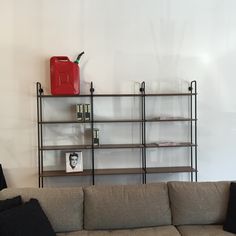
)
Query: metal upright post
[
  {"x": 92, "y": 135},
  {"x": 143, "y": 130},
  {"x": 40, "y": 131},
  {"x": 193, "y": 116},
  {"x": 191, "y": 130},
  {"x": 39, "y": 169},
  {"x": 194, "y": 84}
]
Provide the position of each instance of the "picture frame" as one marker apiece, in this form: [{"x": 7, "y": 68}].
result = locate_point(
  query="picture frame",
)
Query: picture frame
[{"x": 74, "y": 161}]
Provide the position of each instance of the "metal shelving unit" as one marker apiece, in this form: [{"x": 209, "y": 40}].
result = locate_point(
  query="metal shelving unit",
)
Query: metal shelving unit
[{"x": 143, "y": 145}]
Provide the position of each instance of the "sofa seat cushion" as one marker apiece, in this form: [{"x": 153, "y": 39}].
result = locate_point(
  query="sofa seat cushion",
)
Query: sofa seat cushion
[
  {"x": 126, "y": 206},
  {"x": 203, "y": 230},
  {"x": 155, "y": 231},
  {"x": 198, "y": 203},
  {"x": 62, "y": 206}
]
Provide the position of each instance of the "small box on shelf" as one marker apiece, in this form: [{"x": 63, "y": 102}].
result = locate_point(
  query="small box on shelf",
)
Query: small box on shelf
[
  {"x": 96, "y": 136},
  {"x": 79, "y": 112},
  {"x": 83, "y": 112},
  {"x": 87, "y": 111}
]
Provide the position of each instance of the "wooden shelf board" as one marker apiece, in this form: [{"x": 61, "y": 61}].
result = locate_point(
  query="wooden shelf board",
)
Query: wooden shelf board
[
  {"x": 94, "y": 95},
  {"x": 102, "y": 146},
  {"x": 63, "y": 96},
  {"x": 169, "y": 144},
  {"x": 65, "y": 122},
  {"x": 117, "y": 146},
  {"x": 169, "y": 119},
  {"x": 114, "y": 146},
  {"x": 169, "y": 94},
  {"x": 173, "y": 169},
  {"x": 158, "y": 119},
  {"x": 117, "y": 121},
  {"x": 117, "y": 95},
  {"x": 55, "y": 173},
  {"x": 119, "y": 171},
  {"x": 66, "y": 147}
]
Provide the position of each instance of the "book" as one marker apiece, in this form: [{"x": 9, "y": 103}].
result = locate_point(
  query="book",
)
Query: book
[
  {"x": 79, "y": 112},
  {"x": 87, "y": 112},
  {"x": 96, "y": 136}
]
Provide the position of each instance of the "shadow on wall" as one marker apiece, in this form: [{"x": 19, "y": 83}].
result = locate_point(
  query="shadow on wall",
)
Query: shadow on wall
[{"x": 3, "y": 183}]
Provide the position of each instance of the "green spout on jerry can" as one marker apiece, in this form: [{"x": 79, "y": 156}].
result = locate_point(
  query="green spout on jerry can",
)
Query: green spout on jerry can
[{"x": 78, "y": 58}]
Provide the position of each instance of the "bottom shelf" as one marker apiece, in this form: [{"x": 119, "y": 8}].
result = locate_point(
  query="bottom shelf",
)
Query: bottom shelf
[
  {"x": 174, "y": 169},
  {"x": 150, "y": 170}
]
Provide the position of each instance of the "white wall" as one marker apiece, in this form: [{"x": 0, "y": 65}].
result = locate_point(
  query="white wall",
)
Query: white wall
[{"x": 126, "y": 41}]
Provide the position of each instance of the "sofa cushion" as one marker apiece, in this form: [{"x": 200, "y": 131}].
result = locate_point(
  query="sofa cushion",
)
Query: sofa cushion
[
  {"x": 203, "y": 230},
  {"x": 10, "y": 203},
  {"x": 198, "y": 203},
  {"x": 156, "y": 231},
  {"x": 127, "y": 206},
  {"x": 26, "y": 220},
  {"x": 63, "y": 206},
  {"x": 230, "y": 222}
]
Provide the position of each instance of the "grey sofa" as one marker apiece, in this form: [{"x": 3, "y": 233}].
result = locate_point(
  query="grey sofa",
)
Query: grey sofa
[{"x": 160, "y": 209}]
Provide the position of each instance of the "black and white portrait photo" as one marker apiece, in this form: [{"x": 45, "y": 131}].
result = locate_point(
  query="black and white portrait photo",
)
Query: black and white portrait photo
[{"x": 74, "y": 162}]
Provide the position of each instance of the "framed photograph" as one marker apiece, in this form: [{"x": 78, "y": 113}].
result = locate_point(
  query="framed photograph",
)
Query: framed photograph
[{"x": 74, "y": 162}]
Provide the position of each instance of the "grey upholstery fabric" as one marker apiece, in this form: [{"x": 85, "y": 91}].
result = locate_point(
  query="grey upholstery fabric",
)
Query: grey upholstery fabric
[
  {"x": 203, "y": 230},
  {"x": 158, "y": 231},
  {"x": 63, "y": 206},
  {"x": 128, "y": 206},
  {"x": 198, "y": 203}
]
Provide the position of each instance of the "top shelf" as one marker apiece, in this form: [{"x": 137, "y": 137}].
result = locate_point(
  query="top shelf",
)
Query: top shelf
[
  {"x": 192, "y": 91},
  {"x": 118, "y": 95}
]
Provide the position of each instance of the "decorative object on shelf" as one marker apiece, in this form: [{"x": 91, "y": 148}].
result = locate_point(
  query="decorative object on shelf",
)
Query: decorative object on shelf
[
  {"x": 65, "y": 75},
  {"x": 79, "y": 112},
  {"x": 87, "y": 111},
  {"x": 74, "y": 162},
  {"x": 96, "y": 136},
  {"x": 83, "y": 112}
]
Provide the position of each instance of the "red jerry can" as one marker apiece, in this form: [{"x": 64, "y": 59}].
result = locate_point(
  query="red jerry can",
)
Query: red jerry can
[{"x": 65, "y": 77}]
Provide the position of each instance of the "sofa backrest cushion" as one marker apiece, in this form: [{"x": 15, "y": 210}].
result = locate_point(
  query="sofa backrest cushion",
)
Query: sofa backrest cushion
[
  {"x": 198, "y": 203},
  {"x": 127, "y": 206},
  {"x": 62, "y": 206}
]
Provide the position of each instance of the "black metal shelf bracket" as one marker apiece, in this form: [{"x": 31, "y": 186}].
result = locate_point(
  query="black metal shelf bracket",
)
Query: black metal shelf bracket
[
  {"x": 92, "y": 133},
  {"x": 39, "y": 92},
  {"x": 193, "y": 128},
  {"x": 143, "y": 132}
]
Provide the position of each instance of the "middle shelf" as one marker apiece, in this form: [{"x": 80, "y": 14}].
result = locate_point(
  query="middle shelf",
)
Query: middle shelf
[
  {"x": 117, "y": 146},
  {"x": 158, "y": 119}
]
